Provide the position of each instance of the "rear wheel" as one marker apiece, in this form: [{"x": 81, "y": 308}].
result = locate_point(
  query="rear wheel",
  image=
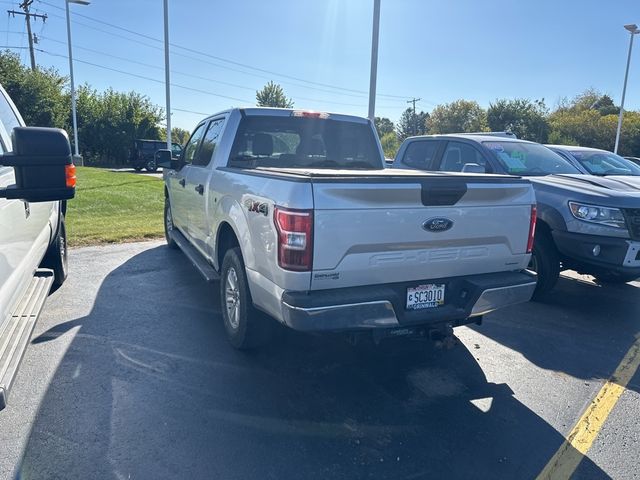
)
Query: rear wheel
[
  {"x": 168, "y": 225},
  {"x": 246, "y": 327},
  {"x": 56, "y": 257},
  {"x": 546, "y": 263},
  {"x": 137, "y": 169},
  {"x": 151, "y": 165}
]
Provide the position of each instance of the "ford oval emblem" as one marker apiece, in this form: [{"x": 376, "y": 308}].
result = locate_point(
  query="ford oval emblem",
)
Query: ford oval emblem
[{"x": 437, "y": 224}]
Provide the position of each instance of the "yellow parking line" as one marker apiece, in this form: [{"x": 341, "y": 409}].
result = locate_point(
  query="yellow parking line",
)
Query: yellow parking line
[{"x": 579, "y": 441}]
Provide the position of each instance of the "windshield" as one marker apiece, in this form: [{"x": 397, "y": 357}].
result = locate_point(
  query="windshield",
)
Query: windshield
[
  {"x": 529, "y": 159},
  {"x": 299, "y": 142},
  {"x": 605, "y": 163}
]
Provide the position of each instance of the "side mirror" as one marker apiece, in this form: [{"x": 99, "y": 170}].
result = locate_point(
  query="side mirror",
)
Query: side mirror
[
  {"x": 473, "y": 168},
  {"x": 164, "y": 159},
  {"x": 43, "y": 167}
]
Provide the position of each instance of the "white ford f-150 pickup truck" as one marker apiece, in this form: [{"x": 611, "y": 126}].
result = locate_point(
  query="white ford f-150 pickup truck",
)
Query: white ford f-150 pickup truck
[
  {"x": 36, "y": 178},
  {"x": 297, "y": 217}
]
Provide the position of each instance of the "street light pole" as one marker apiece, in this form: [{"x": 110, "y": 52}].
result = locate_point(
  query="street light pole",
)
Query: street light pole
[
  {"x": 633, "y": 30},
  {"x": 167, "y": 75},
  {"x": 77, "y": 158},
  {"x": 374, "y": 60}
]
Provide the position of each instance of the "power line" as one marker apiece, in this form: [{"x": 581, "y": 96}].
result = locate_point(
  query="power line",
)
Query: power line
[
  {"x": 143, "y": 77},
  {"x": 232, "y": 62}
]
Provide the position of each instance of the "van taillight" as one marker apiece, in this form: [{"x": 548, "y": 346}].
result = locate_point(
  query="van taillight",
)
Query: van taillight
[
  {"x": 295, "y": 238},
  {"x": 532, "y": 228}
]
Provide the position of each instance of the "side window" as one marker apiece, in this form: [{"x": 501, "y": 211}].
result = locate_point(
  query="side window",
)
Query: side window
[
  {"x": 209, "y": 142},
  {"x": 192, "y": 145},
  {"x": 8, "y": 119},
  {"x": 421, "y": 154},
  {"x": 458, "y": 154}
]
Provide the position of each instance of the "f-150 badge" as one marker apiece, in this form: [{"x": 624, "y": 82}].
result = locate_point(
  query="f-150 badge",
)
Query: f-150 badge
[{"x": 256, "y": 207}]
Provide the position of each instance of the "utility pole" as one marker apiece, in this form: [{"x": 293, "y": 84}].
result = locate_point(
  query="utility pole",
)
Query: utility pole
[
  {"x": 415, "y": 119},
  {"x": 374, "y": 60},
  {"x": 25, "y": 5},
  {"x": 167, "y": 76}
]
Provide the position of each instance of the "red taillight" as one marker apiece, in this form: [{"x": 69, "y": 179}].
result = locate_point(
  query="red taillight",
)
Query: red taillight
[
  {"x": 295, "y": 240},
  {"x": 532, "y": 228},
  {"x": 70, "y": 175}
]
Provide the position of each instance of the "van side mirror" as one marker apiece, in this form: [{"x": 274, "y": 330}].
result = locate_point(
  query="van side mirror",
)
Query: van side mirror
[
  {"x": 43, "y": 166},
  {"x": 164, "y": 159}
]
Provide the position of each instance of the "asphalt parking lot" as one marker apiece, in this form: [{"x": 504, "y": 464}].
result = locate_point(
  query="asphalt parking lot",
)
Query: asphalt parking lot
[{"x": 129, "y": 376}]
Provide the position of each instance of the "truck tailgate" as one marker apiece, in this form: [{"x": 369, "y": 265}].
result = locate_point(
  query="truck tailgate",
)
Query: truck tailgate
[{"x": 397, "y": 228}]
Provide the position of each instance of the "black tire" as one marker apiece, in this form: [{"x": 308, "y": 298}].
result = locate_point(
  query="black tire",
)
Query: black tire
[
  {"x": 56, "y": 257},
  {"x": 246, "y": 326},
  {"x": 545, "y": 261},
  {"x": 613, "y": 278},
  {"x": 137, "y": 169},
  {"x": 168, "y": 224},
  {"x": 151, "y": 166}
]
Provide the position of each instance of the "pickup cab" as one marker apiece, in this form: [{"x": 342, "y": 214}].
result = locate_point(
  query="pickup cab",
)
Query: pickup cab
[
  {"x": 36, "y": 179},
  {"x": 297, "y": 216}
]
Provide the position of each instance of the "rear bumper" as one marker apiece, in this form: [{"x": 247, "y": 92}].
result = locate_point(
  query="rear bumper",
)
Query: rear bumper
[{"x": 383, "y": 306}]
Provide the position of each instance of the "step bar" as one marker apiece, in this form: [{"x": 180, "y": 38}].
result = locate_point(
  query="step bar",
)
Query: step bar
[
  {"x": 15, "y": 331},
  {"x": 206, "y": 270}
]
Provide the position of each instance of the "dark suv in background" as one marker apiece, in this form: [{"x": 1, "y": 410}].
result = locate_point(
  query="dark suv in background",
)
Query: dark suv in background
[{"x": 143, "y": 153}]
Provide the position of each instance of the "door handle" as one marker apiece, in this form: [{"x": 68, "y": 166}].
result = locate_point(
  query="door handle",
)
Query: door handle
[
  {"x": 200, "y": 189},
  {"x": 182, "y": 182}
]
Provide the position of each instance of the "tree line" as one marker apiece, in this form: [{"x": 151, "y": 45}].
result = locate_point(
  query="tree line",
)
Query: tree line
[
  {"x": 109, "y": 121},
  {"x": 588, "y": 119}
]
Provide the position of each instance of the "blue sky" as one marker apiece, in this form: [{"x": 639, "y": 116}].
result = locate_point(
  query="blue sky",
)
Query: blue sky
[{"x": 437, "y": 50}]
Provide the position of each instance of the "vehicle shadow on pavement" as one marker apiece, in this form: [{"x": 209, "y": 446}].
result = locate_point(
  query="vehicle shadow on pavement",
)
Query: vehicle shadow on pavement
[
  {"x": 150, "y": 388},
  {"x": 581, "y": 328}
]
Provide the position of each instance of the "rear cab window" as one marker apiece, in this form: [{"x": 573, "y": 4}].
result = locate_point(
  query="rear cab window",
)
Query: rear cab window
[{"x": 304, "y": 142}]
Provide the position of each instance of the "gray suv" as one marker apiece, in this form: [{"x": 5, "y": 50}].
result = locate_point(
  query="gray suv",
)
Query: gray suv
[{"x": 586, "y": 223}]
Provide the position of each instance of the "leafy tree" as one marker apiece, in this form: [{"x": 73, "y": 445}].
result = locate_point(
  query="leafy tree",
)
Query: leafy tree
[
  {"x": 39, "y": 95},
  {"x": 110, "y": 121},
  {"x": 383, "y": 126},
  {"x": 390, "y": 144},
  {"x": 179, "y": 135},
  {"x": 461, "y": 116},
  {"x": 412, "y": 123},
  {"x": 526, "y": 118},
  {"x": 590, "y": 99},
  {"x": 272, "y": 95}
]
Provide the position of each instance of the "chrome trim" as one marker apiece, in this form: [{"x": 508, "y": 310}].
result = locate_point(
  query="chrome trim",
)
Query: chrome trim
[
  {"x": 341, "y": 317},
  {"x": 495, "y": 298}
]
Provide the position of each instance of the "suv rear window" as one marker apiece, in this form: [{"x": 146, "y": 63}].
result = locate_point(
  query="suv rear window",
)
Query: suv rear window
[{"x": 299, "y": 142}]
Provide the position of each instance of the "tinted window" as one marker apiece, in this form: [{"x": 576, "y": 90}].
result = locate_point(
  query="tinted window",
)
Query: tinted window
[
  {"x": 421, "y": 154},
  {"x": 302, "y": 142},
  {"x": 519, "y": 158},
  {"x": 192, "y": 145},
  {"x": 458, "y": 154},
  {"x": 605, "y": 163},
  {"x": 176, "y": 149},
  {"x": 209, "y": 143}
]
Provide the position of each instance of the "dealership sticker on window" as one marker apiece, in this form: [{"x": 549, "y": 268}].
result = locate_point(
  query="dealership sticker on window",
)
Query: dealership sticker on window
[{"x": 494, "y": 146}]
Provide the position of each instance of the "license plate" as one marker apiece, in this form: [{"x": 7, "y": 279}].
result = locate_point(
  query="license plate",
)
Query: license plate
[{"x": 430, "y": 295}]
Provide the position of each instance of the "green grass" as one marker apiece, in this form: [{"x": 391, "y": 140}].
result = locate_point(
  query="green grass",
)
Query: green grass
[{"x": 114, "y": 207}]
